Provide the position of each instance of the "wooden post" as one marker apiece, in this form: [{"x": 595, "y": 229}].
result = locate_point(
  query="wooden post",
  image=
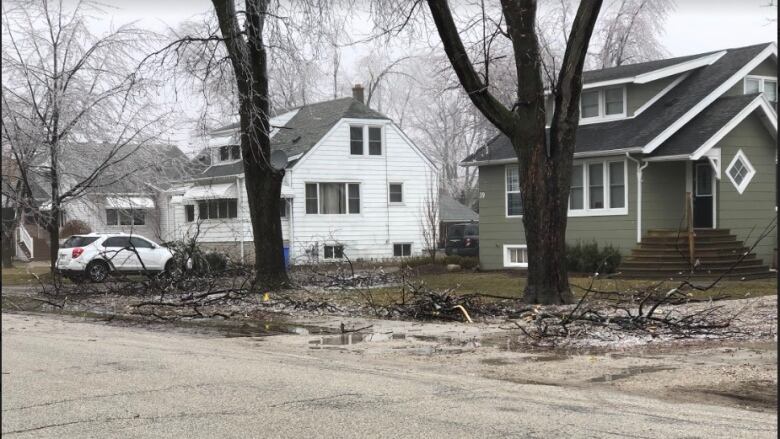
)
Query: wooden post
[{"x": 689, "y": 224}]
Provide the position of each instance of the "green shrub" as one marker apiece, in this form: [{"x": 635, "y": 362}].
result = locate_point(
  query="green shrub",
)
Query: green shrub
[{"x": 588, "y": 258}]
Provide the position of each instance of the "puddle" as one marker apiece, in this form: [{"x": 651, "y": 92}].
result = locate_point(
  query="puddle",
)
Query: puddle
[
  {"x": 629, "y": 372},
  {"x": 351, "y": 338}
]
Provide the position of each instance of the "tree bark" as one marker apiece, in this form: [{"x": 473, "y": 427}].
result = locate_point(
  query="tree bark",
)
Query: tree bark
[
  {"x": 544, "y": 165},
  {"x": 263, "y": 183}
]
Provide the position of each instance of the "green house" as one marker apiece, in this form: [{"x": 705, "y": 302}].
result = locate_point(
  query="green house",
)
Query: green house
[{"x": 658, "y": 139}]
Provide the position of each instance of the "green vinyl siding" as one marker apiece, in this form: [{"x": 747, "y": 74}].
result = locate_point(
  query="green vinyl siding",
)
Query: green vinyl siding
[
  {"x": 639, "y": 94},
  {"x": 663, "y": 195},
  {"x": 767, "y": 68},
  {"x": 496, "y": 230},
  {"x": 748, "y": 213}
]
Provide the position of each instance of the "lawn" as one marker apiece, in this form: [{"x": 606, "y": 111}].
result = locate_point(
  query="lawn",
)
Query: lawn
[
  {"x": 511, "y": 285},
  {"x": 23, "y": 275}
]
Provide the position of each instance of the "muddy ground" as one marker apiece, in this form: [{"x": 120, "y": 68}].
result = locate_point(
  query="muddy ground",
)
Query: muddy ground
[{"x": 740, "y": 372}]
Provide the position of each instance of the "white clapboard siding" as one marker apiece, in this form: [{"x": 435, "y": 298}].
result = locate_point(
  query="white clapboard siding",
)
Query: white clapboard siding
[
  {"x": 92, "y": 210},
  {"x": 370, "y": 234}
]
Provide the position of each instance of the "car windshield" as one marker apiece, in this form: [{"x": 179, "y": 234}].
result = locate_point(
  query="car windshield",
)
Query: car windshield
[
  {"x": 456, "y": 231},
  {"x": 78, "y": 241}
]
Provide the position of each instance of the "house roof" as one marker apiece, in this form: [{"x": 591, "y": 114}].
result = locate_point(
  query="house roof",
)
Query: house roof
[
  {"x": 451, "y": 210},
  {"x": 638, "y": 131},
  {"x": 631, "y": 70},
  {"x": 704, "y": 126},
  {"x": 302, "y": 131}
]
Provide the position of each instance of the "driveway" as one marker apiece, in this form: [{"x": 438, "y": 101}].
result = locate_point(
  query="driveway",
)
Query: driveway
[{"x": 65, "y": 378}]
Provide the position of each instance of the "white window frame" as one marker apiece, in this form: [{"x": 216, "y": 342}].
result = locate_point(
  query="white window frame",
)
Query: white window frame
[
  {"x": 402, "y": 244},
  {"x": 334, "y": 258},
  {"x": 403, "y": 194},
  {"x": 761, "y": 80},
  {"x": 740, "y": 155},
  {"x": 230, "y": 159},
  {"x": 506, "y": 192},
  {"x": 365, "y": 129},
  {"x": 606, "y": 211},
  {"x": 603, "y": 116},
  {"x": 346, "y": 188},
  {"x": 508, "y": 261}
]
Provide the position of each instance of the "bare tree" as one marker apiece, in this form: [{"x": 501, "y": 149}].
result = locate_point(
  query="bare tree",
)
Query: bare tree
[
  {"x": 72, "y": 107},
  {"x": 429, "y": 220},
  {"x": 545, "y": 166},
  {"x": 630, "y": 32}
]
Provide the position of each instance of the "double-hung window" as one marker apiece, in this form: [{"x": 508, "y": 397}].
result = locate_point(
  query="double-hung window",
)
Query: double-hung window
[
  {"x": 364, "y": 138},
  {"x": 514, "y": 202},
  {"x": 218, "y": 209},
  {"x": 598, "y": 188},
  {"x": 121, "y": 217},
  {"x": 332, "y": 198},
  {"x": 229, "y": 153},
  {"x": 396, "y": 192},
  {"x": 333, "y": 251},
  {"x": 762, "y": 84},
  {"x": 608, "y": 103}
]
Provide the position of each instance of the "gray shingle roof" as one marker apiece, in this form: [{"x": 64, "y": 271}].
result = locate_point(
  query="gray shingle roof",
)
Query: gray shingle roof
[
  {"x": 703, "y": 126},
  {"x": 638, "y": 131},
  {"x": 304, "y": 130},
  {"x": 451, "y": 210},
  {"x": 630, "y": 70}
]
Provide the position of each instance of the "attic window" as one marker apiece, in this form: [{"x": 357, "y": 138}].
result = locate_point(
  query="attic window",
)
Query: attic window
[
  {"x": 740, "y": 171},
  {"x": 761, "y": 84},
  {"x": 606, "y": 103},
  {"x": 229, "y": 152},
  {"x": 365, "y": 138}
]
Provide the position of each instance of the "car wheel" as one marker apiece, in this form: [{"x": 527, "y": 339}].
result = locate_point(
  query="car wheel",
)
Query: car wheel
[
  {"x": 97, "y": 271},
  {"x": 170, "y": 269}
]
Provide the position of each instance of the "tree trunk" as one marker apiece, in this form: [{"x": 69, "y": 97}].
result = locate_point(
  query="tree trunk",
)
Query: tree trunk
[
  {"x": 54, "y": 237},
  {"x": 9, "y": 248}
]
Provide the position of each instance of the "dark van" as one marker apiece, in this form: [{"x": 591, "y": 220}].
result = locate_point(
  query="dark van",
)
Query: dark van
[{"x": 462, "y": 240}]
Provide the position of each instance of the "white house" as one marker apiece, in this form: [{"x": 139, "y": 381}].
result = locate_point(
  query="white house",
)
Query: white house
[{"x": 355, "y": 185}]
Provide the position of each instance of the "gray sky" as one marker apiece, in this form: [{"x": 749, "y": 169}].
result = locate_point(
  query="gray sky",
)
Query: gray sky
[{"x": 694, "y": 26}]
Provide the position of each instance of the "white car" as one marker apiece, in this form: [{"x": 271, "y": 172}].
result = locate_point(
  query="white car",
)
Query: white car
[{"x": 94, "y": 256}]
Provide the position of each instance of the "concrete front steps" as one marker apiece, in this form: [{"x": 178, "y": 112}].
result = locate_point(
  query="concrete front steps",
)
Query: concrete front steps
[{"x": 664, "y": 254}]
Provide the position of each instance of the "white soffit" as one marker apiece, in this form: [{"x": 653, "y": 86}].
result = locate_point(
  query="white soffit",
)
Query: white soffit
[
  {"x": 212, "y": 191},
  {"x": 129, "y": 203}
]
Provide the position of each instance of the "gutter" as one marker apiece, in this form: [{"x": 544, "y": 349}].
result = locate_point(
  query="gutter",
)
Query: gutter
[
  {"x": 577, "y": 155},
  {"x": 640, "y": 166}
]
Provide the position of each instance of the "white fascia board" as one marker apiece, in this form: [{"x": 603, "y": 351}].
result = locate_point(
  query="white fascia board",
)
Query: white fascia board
[
  {"x": 626, "y": 80},
  {"x": 577, "y": 155},
  {"x": 660, "y": 73},
  {"x": 759, "y": 101},
  {"x": 678, "y": 68},
  {"x": 770, "y": 50},
  {"x": 660, "y": 94},
  {"x": 668, "y": 158}
]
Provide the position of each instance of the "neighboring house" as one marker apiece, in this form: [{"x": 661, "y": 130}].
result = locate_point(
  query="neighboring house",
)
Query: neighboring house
[
  {"x": 354, "y": 186},
  {"x": 452, "y": 211},
  {"x": 124, "y": 198},
  {"x": 650, "y": 133}
]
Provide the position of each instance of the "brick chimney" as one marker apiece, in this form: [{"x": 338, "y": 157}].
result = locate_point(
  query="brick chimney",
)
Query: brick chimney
[{"x": 357, "y": 93}]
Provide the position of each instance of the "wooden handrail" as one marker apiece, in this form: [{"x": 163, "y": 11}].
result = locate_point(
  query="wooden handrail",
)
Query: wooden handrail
[{"x": 689, "y": 226}]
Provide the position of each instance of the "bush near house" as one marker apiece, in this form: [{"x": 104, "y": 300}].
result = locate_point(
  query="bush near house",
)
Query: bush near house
[
  {"x": 74, "y": 227},
  {"x": 588, "y": 258}
]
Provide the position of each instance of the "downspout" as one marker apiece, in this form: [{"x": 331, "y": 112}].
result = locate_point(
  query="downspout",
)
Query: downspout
[
  {"x": 291, "y": 218},
  {"x": 387, "y": 191},
  {"x": 639, "y": 168},
  {"x": 240, "y": 216}
]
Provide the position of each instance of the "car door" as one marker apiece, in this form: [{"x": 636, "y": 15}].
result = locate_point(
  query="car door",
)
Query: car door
[
  {"x": 116, "y": 250},
  {"x": 148, "y": 254}
]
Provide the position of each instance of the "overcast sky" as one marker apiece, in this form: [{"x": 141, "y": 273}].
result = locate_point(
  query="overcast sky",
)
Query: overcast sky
[{"x": 694, "y": 26}]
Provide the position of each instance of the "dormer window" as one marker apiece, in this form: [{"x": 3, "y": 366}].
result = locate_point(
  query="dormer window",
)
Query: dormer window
[
  {"x": 365, "y": 138},
  {"x": 229, "y": 153},
  {"x": 606, "y": 103},
  {"x": 762, "y": 84}
]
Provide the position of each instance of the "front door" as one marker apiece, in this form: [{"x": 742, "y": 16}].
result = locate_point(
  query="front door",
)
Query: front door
[{"x": 702, "y": 196}]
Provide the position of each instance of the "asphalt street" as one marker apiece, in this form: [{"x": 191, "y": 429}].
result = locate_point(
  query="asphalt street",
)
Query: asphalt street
[{"x": 63, "y": 378}]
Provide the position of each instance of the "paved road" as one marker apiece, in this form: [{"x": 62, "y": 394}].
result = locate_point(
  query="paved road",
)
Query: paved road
[{"x": 72, "y": 379}]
